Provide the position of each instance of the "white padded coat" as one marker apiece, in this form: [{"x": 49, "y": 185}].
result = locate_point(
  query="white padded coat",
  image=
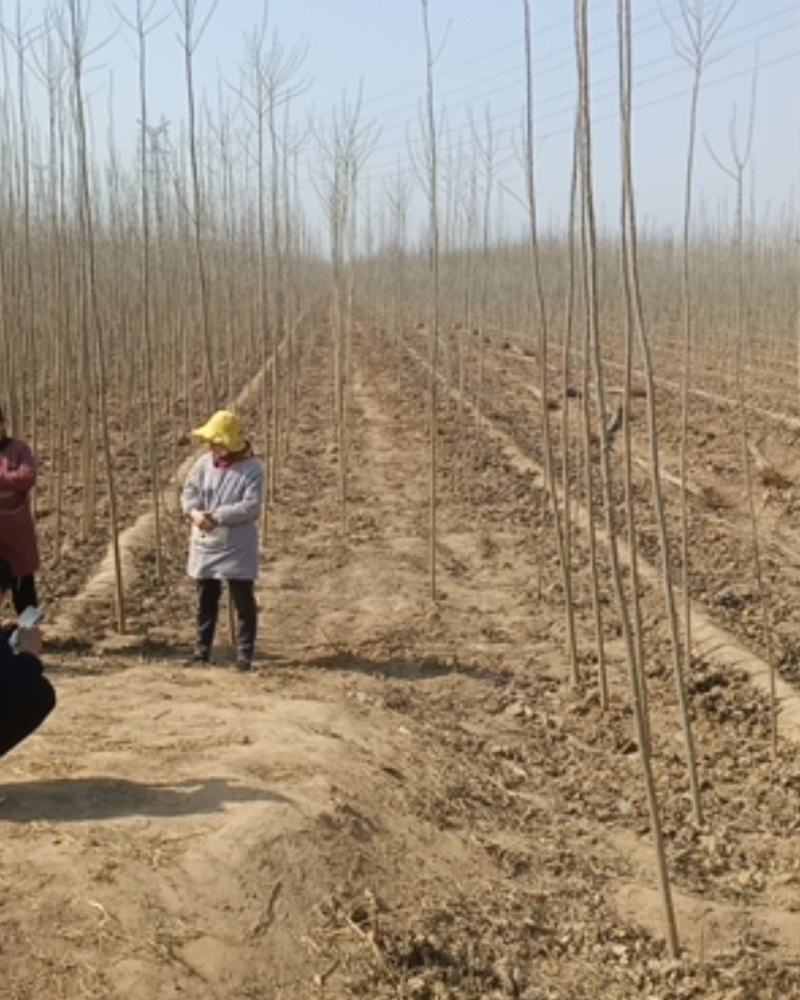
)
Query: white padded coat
[{"x": 232, "y": 495}]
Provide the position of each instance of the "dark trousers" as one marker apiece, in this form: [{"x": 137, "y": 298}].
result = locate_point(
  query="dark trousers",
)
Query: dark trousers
[
  {"x": 242, "y": 594},
  {"x": 26, "y": 699},
  {"x": 23, "y": 593}
]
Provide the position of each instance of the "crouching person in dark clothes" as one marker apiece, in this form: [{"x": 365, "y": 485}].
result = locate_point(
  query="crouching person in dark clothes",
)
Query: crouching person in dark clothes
[{"x": 26, "y": 696}]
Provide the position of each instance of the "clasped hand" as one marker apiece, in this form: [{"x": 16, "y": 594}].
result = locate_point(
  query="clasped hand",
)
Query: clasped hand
[{"x": 203, "y": 520}]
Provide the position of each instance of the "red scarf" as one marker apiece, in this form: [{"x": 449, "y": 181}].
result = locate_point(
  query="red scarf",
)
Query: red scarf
[{"x": 231, "y": 457}]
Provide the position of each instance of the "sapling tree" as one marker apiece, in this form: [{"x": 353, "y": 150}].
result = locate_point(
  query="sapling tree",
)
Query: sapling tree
[
  {"x": 589, "y": 248},
  {"x": 143, "y": 26},
  {"x": 75, "y": 42},
  {"x": 485, "y": 147},
  {"x": 543, "y": 323},
  {"x": 693, "y": 33},
  {"x": 344, "y": 147},
  {"x": 190, "y": 38},
  {"x": 269, "y": 82},
  {"x": 735, "y": 168},
  {"x": 431, "y": 176},
  {"x": 635, "y": 322}
]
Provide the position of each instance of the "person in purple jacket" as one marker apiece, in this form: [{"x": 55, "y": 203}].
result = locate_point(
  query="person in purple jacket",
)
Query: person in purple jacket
[
  {"x": 17, "y": 530},
  {"x": 222, "y": 500}
]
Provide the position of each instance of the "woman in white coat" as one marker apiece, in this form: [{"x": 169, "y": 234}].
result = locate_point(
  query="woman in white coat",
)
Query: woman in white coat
[{"x": 222, "y": 499}]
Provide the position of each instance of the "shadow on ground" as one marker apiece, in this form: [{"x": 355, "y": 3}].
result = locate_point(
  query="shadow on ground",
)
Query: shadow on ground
[
  {"x": 83, "y": 661},
  {"x": 397, "y": 669},
  {"x": 69, "y": 800}
]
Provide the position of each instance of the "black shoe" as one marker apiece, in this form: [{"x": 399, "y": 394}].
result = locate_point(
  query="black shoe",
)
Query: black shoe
[
  {"x": 243, "y": 664},
  {"x": 199, "y": 658}
]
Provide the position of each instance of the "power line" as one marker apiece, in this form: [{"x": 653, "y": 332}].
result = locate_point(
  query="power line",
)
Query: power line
[
  {"x": 513, "y": 151},
  {"x": 643, "y": 106},
  {"x": 642, "y": 28},
  {"x": 569, "y": 108},
  {"x": 504, "y": 47},
  {"x": 539, "y": 74},
  {"x": 541, "y": 60},
  {"x": 387, "y": 169}
]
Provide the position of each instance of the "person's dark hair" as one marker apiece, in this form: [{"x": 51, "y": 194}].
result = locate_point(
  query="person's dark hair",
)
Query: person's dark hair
[
  {"x": 6, "y": 575},
  {"x": 2, "y": 415}
]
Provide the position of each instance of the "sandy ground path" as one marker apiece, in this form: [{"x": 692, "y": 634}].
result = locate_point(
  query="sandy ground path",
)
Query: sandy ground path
[
  {"x": 370, "y": 595},
  {"x": 369, "y": 584}
]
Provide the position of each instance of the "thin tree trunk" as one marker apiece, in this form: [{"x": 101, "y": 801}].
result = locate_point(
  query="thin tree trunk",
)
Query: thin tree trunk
[
  {"x": 566, "y": 576},
  {"x": 589, "y": 244}
]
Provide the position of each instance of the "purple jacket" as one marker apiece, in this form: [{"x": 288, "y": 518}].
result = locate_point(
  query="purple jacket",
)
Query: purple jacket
[{"x": 17, "y": 533}]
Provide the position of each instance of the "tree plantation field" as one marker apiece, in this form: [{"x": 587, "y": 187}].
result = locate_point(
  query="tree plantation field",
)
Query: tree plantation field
[
  {"x": 405, "y": 798},
  {"x": 524, "y": 716}
]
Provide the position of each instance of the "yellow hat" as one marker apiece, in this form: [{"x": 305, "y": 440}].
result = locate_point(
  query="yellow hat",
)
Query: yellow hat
[{"x": 222, "y": 428}]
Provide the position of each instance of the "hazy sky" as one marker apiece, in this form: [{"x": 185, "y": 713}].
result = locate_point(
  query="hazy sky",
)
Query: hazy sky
[{"x": 480, "y": 67}]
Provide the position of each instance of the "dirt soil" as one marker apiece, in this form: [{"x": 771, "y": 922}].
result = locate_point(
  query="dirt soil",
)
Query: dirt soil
[{"x": 404, "y": 798}]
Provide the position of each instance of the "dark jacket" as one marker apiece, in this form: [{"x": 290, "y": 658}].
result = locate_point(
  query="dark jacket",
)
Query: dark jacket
[{"x": 26, "y": 695}]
